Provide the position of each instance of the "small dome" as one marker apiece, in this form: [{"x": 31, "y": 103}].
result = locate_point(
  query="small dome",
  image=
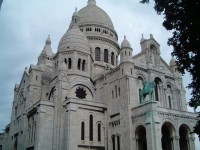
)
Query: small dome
[
  {"x": 125, "y": 43},
  {"x": 74, "y": 38},
  {"x": 92, "y": 14},
  {"x": 47, "y": 48},
  {"x": 142, "y": 39},
  {"x": 172, "y": 62}
]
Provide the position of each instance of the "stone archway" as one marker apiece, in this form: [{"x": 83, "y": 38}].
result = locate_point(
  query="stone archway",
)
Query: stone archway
[
  {"x": 167, "y": 136},
  {"x": 141, "y": 138},
  {"x": 184, "y": 137}
]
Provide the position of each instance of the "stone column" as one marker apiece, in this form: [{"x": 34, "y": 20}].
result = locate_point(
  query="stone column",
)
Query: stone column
[
  {"x": 176, "y": 142},
  {"x": 109, "y": 57},
  {"x": 191, "y": 142},
  {"x": 135, "y": 143},
  {"x": 116, "y": 146},
  {"x": 72, "y": 128},
  {"x": 153, "y": 129}
]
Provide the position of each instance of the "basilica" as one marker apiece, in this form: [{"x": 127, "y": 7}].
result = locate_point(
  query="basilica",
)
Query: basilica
[{"x": 94, "y": 94}]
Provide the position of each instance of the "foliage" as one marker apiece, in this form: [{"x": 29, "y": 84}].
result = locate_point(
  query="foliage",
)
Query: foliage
[{"x": 182, "y": 17}]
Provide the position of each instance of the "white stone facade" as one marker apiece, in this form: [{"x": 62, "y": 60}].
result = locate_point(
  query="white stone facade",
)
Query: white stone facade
[{"x": 82, "y": 98}]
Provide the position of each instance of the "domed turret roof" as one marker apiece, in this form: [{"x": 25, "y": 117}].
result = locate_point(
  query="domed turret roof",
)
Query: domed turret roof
[
  {"x": 74, "y": 38},
  {"x": 172, "y": 62},
  {"x": 142, "y": 39},
  {"x": 92, "y": 14},
  {"x": 47, "y": 48},
  {"x": 125, "y": 43}
]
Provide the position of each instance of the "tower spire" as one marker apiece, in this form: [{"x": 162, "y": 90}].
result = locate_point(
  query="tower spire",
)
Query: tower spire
[{"x": 46, "y": 55}]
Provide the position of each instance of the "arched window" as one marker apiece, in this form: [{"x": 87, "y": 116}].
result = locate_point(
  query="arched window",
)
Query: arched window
[
  {"x": 118, "y": 142},
  {"x": 97, "y": 54},
  {"x": 91, "y": 128},
  {"x": 15, "y": 143},
  {"x": 169, "y": 93},
  {"x": 112, "y": 58},
  {"x": 79, "y": 64},
  {"x": 119, "y": 91},
  {"x": 140, "y": 98},
  {"x": 115, "y": 90},
  {"x": 157, "y": 88},
  {"x": 51, "y": 94},
  {"x": 65, "y": 60},
  {"x": 83, "y": 65},
  {"x": 99, "y": 132},
  {"x": 140, "y": 86},
  {"x": 170, "y": 103},
  {"x": 113, "y": 142},
  {"x": 70, "y": 63},
  {"x": 105, "y": 55},
  {"x": 82, "y": 131}
]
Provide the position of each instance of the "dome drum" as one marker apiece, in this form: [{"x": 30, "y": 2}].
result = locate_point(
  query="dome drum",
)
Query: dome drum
[{"x": 96, "y": 30}]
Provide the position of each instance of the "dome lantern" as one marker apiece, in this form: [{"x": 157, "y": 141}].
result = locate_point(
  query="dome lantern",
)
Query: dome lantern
[{"x": 91, "y": 2}]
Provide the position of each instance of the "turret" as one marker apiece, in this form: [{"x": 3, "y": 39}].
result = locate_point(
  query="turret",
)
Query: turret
[
  {"x": 126, "y": 51},
  {"x": 152, "y": 49},
  {"x": 46, "y": 55},
  {"x": 74, "y": 50},
  {"x": 174, "y": 68}
]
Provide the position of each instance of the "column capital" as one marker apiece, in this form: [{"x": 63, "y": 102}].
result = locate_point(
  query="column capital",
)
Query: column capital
[{"x": 176, "y": 137}]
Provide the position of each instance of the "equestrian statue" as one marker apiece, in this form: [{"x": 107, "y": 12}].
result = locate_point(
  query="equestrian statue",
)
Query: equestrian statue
[{"x": 148, "y": 89}]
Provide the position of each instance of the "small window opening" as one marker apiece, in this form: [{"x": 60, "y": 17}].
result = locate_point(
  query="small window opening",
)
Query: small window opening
[
  {"x": 70, "y": 63},
  {"x": 113, "y": 142},
  {"x": 112, "y": 58},
  {"x": 79, "y": 64},
  {"x": 115, "y": 90},
  {"x": 99, "y": 132},
  {"x": 65, "y": 60},
  {"x": 118, "y": 142},
  {"x": 83, "y": 65},
  {"x": 82, "y": 131},
  {"x": 97, "y": 54},
  {"x": 170, "y": 103},
  {"x": 91, "y": 128}
]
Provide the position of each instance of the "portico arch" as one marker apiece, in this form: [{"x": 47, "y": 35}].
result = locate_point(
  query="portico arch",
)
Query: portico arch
[
  {"x": 168, "y": 133},
  {"x": 141, "y": 138},
  {"x": 184, "y": 137}
]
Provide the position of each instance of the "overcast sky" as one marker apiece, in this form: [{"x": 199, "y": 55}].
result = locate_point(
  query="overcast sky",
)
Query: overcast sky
[{"x": 25, "y": 25}]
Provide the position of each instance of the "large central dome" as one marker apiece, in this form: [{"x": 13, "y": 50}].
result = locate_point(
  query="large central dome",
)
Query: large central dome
[{"x": 92, "y": 14}]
